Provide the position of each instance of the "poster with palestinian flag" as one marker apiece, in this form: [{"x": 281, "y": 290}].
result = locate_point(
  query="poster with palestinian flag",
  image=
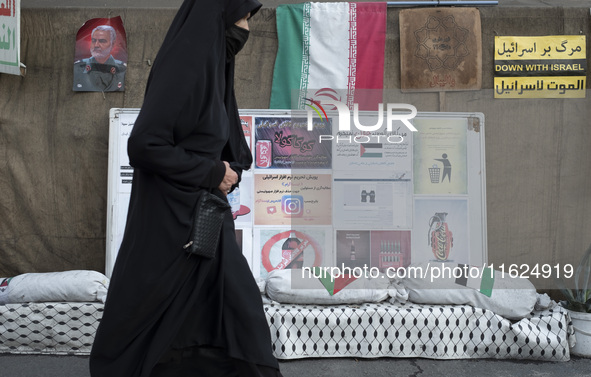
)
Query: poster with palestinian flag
[{"x": 329, "y": 51}]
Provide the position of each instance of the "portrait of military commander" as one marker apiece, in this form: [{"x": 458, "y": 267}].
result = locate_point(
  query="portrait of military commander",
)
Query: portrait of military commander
[{"x": 101, "y": 72}]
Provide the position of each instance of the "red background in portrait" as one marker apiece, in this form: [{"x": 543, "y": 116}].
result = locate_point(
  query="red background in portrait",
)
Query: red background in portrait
[{"x": 83, "y": 37}]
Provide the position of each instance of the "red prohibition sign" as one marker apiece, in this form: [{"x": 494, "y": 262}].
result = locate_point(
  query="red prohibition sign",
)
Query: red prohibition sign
[{"x": 309, "y": 241}]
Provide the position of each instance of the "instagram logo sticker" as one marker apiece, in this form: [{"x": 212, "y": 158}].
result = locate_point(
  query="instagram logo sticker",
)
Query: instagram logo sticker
[{"x": 292, "y": 205}]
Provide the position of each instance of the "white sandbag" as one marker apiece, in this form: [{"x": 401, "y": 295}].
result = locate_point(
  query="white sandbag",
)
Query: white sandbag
[
  {"x": 512, "y": 298},
  {"x": 67, "y": 286},
  {"x": 397, "y": 291},
  {"x": 311, "y": 290},
  {"x": 261, "y": 284}
]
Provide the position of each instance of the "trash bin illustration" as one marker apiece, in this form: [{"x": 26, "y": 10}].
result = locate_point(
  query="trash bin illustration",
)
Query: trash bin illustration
[{"x": 434, "y": 173}]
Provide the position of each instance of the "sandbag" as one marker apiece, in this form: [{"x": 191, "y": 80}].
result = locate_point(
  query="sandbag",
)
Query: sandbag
[
  {"x": 66, "y": 286},
  {"x": 284, "y": 287},
  {"x": 433, "y": 283}
]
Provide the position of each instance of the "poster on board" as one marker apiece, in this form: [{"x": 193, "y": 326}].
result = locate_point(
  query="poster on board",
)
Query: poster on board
[
  {"x": 281, "y": 248},
  {"x": 290, "y": 199},
  {"x": 286, "y": 143},
  {"x": 440, "y": 156}
]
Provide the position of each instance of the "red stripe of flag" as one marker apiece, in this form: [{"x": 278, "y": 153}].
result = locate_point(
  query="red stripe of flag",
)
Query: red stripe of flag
[{"x": 371, "y": 42}]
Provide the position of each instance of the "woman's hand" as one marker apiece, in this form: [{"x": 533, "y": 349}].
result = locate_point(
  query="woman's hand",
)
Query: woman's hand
[{"x": 230, "y": 179}]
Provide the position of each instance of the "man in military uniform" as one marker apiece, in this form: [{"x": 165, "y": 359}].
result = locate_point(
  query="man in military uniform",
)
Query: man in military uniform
[{"x": 101, "y": 72}]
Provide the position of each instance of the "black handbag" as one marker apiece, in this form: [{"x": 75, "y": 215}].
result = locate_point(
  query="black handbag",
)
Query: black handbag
[{"x": 208, "y": 217}]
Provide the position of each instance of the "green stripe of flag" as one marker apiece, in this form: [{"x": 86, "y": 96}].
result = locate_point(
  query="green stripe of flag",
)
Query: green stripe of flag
[{"x": 288, "y": 63}]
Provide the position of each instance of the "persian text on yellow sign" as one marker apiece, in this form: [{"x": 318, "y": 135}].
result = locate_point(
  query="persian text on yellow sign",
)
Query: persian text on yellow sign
[{"x": 540, "y": 48}]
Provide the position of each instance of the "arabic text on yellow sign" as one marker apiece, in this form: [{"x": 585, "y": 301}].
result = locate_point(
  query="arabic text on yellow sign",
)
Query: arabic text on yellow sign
[{"x": 540, "y": 87}]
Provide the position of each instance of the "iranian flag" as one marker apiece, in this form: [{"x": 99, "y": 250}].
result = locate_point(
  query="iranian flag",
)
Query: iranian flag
[{"x": 329, "y": 51}]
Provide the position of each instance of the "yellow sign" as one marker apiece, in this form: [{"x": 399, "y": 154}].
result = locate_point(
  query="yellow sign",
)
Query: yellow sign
[
  {"x": 545, "y": 48},
  {"x": 552, "y": 66},
  {"x": 540, "y": 87}
]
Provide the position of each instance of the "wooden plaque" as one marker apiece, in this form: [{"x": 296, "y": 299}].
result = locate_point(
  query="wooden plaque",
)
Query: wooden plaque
[{"x": 440, "y": 49}]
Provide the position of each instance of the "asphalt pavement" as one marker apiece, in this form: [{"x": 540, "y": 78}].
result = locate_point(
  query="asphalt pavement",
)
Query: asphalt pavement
[{"x": 77, "y": 366}]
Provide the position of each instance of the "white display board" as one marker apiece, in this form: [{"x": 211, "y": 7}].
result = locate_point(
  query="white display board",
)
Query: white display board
[{"x": 325, "y": 197}]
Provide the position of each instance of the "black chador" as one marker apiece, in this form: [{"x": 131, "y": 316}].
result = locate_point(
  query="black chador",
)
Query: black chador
[{"x": 168, "y": 314}]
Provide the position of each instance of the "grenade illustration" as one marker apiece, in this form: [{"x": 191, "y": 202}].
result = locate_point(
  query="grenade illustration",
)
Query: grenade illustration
[{"x": 440, "y": 238}]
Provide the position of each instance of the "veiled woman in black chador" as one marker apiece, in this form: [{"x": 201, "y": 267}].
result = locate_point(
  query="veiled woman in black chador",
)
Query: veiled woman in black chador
[{"x": 168, "y": 314}]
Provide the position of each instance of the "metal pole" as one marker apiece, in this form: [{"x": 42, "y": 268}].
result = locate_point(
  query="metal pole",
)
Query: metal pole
[{"x": 471, "y": 3}]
